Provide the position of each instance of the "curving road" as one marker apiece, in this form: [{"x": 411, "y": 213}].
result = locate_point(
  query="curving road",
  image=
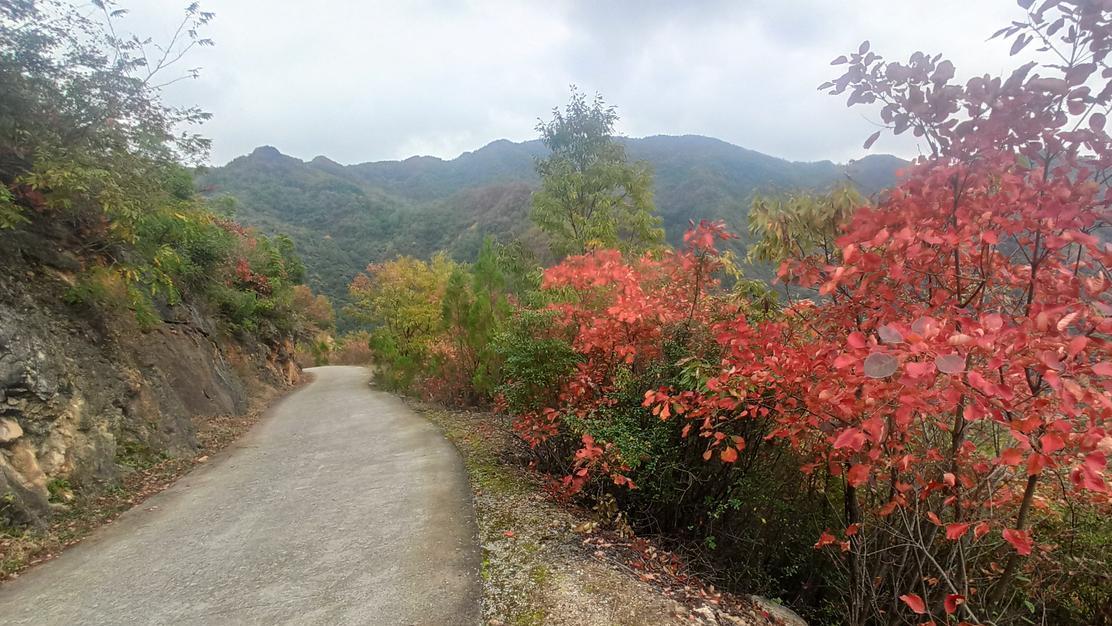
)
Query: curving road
[{"x": 341, "y": 507}]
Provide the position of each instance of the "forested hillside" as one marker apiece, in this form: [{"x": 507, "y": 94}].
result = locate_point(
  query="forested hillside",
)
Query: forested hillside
[{"x": 346, "y": 216}]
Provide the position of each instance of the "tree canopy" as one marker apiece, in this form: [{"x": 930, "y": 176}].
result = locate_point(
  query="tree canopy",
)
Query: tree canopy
[{"x": 591, "y": 196}]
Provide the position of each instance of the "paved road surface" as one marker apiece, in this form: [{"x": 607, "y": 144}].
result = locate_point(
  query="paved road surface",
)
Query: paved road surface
[{"x": 341, "y": 507}]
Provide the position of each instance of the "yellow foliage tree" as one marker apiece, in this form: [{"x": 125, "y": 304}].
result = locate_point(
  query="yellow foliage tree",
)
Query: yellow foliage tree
[{"x": 401, "y": 301}]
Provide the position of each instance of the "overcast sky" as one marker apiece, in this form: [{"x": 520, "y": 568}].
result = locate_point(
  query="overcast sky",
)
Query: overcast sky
[{"x": 362, "y": 80}]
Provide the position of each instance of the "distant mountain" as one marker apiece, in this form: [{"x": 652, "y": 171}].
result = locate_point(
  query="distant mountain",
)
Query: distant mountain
[{"x": 345, "y": 216}]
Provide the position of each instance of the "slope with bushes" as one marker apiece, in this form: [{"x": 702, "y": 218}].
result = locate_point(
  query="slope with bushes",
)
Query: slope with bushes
[{"x": 129, "y": 307}]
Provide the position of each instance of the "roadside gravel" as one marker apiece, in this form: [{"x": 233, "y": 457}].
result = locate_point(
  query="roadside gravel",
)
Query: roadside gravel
[{"x": 545, "y": 562}]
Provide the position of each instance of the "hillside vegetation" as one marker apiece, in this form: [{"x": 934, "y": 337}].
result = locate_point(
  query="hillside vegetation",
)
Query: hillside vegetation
[
  {"x": 129, "y": 307},
  {"x": 344, "y": 217}
]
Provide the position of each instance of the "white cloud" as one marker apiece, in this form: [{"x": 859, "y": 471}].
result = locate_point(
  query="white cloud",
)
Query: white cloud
[{"x": 358, "y": 80}]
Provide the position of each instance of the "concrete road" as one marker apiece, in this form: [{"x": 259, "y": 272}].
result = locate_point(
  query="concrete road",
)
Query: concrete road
[{"x": 341, "y": 507}]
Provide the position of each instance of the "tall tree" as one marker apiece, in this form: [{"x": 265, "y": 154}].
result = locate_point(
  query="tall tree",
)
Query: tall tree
[
  {"x": 591, "y": 196},
  {"x": 474, "y": 306}
]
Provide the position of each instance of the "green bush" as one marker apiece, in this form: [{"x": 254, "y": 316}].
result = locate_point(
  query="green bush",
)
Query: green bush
[
  {"x": 108, "y": 290},
  {"x": 535, "y": 362},
  {"x": 1083, "y": 537},
  {"x": 238, "y": 308},
  {"x": 100, "y": 162},
  {"x": 396, "y": 369}
]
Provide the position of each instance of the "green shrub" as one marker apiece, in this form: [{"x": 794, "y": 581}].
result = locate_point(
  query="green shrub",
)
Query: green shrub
[
  {"x": 108, "y": 289},
  {"x": 535, "y": 362}
]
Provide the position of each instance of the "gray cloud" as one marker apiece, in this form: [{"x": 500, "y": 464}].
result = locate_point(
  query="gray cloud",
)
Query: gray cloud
[{"x": 362, "y": 81}]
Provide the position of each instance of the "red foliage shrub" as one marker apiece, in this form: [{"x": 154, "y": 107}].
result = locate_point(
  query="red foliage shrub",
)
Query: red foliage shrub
[
  {"x": 616, "y": 312},
  {"x": 251, "y": 279},
  {"x": 957, "y": 370}
]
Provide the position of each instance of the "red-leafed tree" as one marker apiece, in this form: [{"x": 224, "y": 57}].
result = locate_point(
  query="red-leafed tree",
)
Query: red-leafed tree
[
  {"x": 617, "y": 312},
  {"x": 955, "y": 370}
]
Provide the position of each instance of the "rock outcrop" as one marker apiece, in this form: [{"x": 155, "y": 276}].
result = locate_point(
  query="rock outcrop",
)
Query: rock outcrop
[{"x": 81, "y": 394}]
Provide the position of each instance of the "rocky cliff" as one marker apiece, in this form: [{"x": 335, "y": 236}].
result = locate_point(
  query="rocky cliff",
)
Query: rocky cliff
[{"x": 83, "y": 394}]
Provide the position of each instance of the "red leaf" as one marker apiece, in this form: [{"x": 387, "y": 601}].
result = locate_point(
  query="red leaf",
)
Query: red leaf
[
  {"x": 953, "y": 601},
  {"x": 729, "y": 454},
  {"x": 1104, "y": 368},
  {"x": 1019, "y": 539},
  {"x": 1051, "y": 443},
  {"x": 856, "y": 340},
  {"x": 871, "y": 140},
  {"x": 1088, "y": 475},
  {"x": 826, "y": 539},
  {"x": 1011, "y": 456},
  {"x": 919, "y": 369},
  {"x": 851, "y": 438},
  {"x": 956, "y": 531},
  {"x": 915, "y": 603},
  {"x": 1035, "y": 464},
  {"x": 1085, "y": 478},
  {"x": 993, "y": 321},
  {"x": 1096, "y": 461},
  {"x": 858, "y": 475},
  {"x": 977, "y": 381},
  {"x": 1050, "y": 359},
  {"x": 1077, "y": 345},
  {"x": 874, "y": 428}
]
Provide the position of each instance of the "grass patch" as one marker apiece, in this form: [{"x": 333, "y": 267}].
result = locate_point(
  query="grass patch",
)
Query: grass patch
[
  {"x": 530, "y": 618},
  {"x": 481, "y": 454},
  {"x": 60, "y": 490},
  {"x": 136, "y": 455},
  {"x": 511, "y": 529},
  {"x": 539, "y": 574}
]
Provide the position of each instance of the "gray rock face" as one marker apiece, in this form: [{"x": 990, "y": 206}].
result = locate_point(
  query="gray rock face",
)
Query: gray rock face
[
  {"x": 78, "y": 391},
  {"x": 9, "y": 430}
]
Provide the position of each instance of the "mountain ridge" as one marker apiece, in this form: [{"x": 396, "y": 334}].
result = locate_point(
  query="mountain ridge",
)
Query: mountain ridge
[{"x": 536, "y": 142}]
